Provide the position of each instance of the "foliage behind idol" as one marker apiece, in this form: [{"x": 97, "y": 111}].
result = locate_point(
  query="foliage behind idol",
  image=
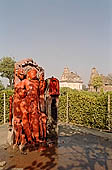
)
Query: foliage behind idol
[
  {"x": 84, "y": 108},
  {"x": 8, "y": 93},
  {"x": 7, "y": 69}
]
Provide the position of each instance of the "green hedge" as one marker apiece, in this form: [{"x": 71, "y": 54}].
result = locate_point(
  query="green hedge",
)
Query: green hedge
[
  {"x": 8, "y": 93},
  {"x": 85, "y": 108}
]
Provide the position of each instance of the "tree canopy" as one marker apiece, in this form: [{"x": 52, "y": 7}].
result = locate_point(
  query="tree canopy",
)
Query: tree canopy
[
  {"x": 7, "y": 69},
  {"x": 97, "y": 82}
]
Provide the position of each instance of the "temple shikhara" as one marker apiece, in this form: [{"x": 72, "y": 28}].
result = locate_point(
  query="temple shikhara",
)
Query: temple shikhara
[
  {"x": 33, "y": 107},
  {"x": 71, "y": 80},
  {"x": 106, "y": 82}
]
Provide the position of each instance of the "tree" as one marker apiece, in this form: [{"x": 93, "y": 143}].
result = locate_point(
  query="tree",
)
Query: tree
[
  {"x": 84, "y": 87},
  {"x": 7, "y": 69},
  {"x": 97, "y": 82},
  {"x": 1, "y": 86}
]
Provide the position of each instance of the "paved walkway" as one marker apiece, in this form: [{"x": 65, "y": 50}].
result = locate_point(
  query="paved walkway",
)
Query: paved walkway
[
  {"x": 85, "y": 130},
  {"x": 3, "y": 134},
  {"x": 70, "y": 129},
  {"x": 78, "y": 149}
]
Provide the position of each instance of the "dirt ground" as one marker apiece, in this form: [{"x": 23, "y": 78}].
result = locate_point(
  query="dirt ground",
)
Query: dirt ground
[{"x": 78, "y": 149}]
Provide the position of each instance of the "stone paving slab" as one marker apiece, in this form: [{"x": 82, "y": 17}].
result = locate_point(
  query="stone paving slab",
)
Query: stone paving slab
[
  {"x": 70, "y": 127},
  {"x": 3, "y": 134},
  {"x": 78, "y": 148},
  {"x": 86, "y": 130}
]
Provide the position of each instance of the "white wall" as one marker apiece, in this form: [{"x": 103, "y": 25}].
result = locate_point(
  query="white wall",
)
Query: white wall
[{"x": 77, "y": 86}]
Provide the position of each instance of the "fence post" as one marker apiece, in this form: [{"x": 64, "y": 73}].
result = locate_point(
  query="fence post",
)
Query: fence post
[
  {"x": 4, "y": 108},
  {"x": 67, "y": 119},
  {"x": 109, "y": 123}
]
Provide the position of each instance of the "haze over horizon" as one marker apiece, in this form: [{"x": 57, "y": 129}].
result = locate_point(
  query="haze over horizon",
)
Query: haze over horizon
[{"x": 77, "y": 34}]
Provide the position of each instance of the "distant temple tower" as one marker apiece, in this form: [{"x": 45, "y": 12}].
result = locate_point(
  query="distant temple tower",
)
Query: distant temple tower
[
  {"x": 94, "y": 73},
  {"x": 71, "y": 80},
  {"x": 107, "y": 85}
]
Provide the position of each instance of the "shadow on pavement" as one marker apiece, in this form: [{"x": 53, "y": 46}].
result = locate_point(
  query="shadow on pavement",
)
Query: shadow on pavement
[
  {"x": 84, "y": 151},
  {"x": 75, "y": 150}
]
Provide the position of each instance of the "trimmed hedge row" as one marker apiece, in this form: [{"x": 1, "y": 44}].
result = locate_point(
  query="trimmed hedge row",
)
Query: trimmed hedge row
[
  {"x": 85, "y": 108},
  {"x": 8, "y": 93}
]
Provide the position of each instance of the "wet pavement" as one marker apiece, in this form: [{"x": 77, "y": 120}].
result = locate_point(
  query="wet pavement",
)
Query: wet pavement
[{"x": 78, "y": 148}]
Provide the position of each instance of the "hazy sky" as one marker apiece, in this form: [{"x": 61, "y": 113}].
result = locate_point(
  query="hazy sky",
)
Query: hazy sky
[{"x": 58, "y": 33}]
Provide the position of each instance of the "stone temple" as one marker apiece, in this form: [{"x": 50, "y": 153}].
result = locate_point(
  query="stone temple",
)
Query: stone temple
[
  {"x": 106, "y": 82},
  {"x": 71, "y": 80}
]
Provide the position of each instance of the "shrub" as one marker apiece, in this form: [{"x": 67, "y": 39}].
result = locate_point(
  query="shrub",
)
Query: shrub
[
  {"x": 85, "y": 108},
  {"x": 8, "y": 93}
]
